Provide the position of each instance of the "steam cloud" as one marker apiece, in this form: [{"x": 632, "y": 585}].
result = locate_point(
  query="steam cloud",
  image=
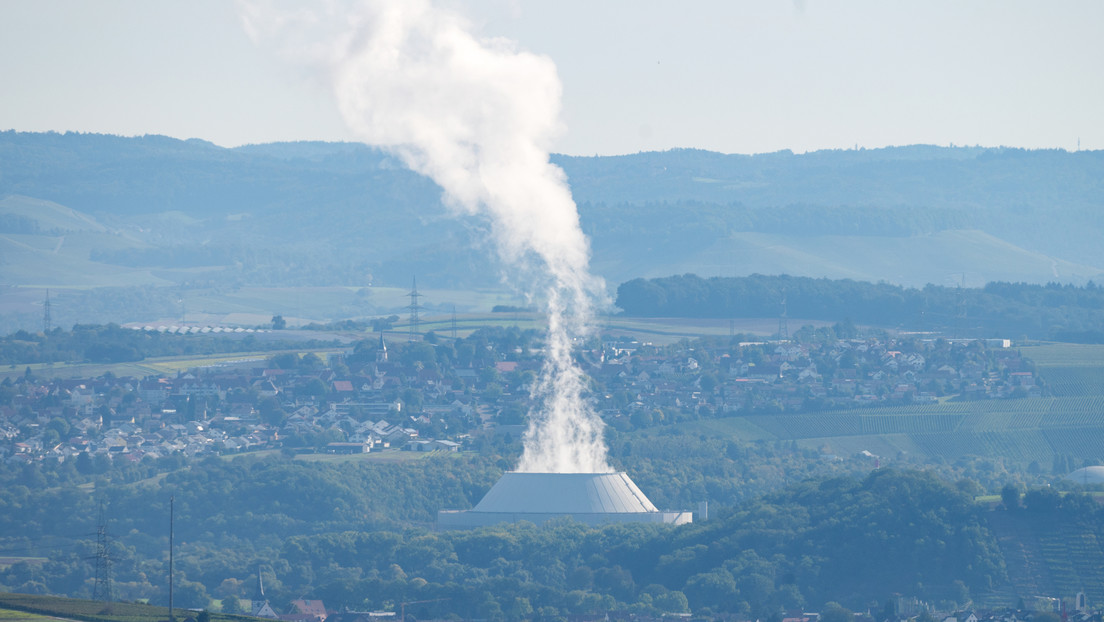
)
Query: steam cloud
[{"x": 478, "y": 117}]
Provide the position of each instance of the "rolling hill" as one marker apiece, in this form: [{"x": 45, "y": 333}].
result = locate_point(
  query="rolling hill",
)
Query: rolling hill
[{"x": 90, "y": 211}]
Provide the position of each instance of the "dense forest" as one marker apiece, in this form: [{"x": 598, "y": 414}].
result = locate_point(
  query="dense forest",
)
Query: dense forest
[
  {"x": 1053, "y": 311},
  {"x": 359, "y": 535}
]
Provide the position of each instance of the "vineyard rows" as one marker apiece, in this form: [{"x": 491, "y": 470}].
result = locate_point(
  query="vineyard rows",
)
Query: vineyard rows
[{"x": 1073, "y": 381}]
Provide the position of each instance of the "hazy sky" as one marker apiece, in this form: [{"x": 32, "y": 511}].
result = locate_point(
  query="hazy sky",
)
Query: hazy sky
[{"x": 725, "y": 75}]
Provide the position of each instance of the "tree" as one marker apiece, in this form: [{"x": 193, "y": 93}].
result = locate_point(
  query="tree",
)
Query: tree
[
  {"x": 278, "y": 322},
  {"x": 671, "y": 602},
  {"x": 519, "y": 609},
  {"x": 84, "y": 463},
  {"x": 710, "y": 589},
  {"x": 271, "y": 411},
  {"x": 311, "y": 361},
  {"x": 1010, "y": 496},
  {"x": 1042, "y": 500},
  {"x": 834, "y": 612},
  {"x": 285, "y": 360},
  {"x": 315, "y": 387}
]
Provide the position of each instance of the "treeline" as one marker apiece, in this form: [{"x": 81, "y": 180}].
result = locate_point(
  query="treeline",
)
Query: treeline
[
  {"x": 184, "y": 256},
  {"x": 17, "y": 223},
  {"x": 1053, "y": 311},
  {"x": 112, "y": 343},
  {"x": 669, "y": 220}
]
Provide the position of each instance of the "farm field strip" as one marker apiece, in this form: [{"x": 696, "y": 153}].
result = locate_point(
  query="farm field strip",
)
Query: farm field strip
[
  {"x": 1065, "y": 355},
  {"x": 1074, "y": 381},
  {"x": 11, "y": 615}
]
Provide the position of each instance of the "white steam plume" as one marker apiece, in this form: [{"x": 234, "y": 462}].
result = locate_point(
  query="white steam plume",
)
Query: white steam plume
[{"x": 478, "y": 117}]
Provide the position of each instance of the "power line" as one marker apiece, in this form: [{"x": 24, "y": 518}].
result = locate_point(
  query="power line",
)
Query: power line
[
  {"x": 103, "y": 588},
  {"x": 783, "y": 324},
  {"x": 46, "y": 321},
  {"x": 414, "y": 307}
]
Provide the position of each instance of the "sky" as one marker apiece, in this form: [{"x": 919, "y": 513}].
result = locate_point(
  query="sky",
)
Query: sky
[{"x": 735, "y": 76}]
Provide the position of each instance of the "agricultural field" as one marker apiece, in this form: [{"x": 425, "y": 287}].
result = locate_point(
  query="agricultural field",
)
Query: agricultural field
[
  {"x": 138, "y": 369},
  {"x": 1069, "y": 422},
  {"x": 10, "y": 615},
  {"x": 18, "y": 606},
  {"x": 1065, "y": 355},
  {"x": 382, "y": 456}
]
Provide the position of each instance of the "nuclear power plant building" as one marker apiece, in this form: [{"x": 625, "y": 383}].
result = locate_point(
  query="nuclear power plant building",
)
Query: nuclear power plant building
[{"x": 591, "y": 498}]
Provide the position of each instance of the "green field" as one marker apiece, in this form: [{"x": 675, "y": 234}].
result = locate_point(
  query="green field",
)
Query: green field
[
  {"x": 10, "y": 615},
  {"x": 386, "y": 455},
  {"x": 1024, "y": 431},
  {"x": 18, "y": 606},
  {"x": 1065, "y": 355},
  {"x": 165, "y": 366}
]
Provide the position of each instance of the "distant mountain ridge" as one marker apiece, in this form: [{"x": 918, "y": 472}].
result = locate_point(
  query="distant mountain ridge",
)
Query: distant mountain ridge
[{"x": 348, "y": 214}]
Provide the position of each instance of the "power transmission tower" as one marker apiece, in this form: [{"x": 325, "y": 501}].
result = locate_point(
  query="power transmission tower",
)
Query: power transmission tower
[
  {"x": 783, "y": 326},
  {"x": 415, "y": 308},
  {"x": 46, "y": 321},
  {"x": 103, "y": 589},
  {"x": 960, "y": 315}
]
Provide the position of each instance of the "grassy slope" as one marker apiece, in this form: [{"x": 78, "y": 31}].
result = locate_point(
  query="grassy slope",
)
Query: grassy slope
[
  {"x": 58, "y": 256},
  {"x": 49, "y": 215}
]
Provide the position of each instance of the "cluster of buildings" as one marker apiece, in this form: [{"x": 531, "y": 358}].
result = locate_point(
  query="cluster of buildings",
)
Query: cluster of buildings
[
  {"x": 366, "y": 400},
  {"x": 227, "y": 409},
  {"x": 790, "y": 377}
]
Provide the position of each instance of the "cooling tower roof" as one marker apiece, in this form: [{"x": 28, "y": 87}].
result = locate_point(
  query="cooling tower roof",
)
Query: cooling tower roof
[
  {"x": 1087, "y": 475},
  {"x": 565, "y": 493}
]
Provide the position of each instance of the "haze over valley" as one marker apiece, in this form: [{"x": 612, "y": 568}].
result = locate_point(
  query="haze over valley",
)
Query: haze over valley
[{"x": 323, "y": 312}]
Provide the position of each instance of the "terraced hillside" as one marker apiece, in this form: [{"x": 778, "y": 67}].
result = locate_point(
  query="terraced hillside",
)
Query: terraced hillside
[{"x": 1050, "y": 553}]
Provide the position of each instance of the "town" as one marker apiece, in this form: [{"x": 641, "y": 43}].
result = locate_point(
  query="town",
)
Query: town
[{"x": 389, "y": 392}]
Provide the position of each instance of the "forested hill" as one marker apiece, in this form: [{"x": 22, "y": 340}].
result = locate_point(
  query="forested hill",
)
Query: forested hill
[
  {"x": 341, "y": 533},
  {"x": 1053, "y": 311},
  {"x": 955, "y": 177},
  {"x": 153, "y": 209}
]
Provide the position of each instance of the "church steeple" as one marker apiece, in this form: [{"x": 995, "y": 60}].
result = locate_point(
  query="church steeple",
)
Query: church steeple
[
  {"x": 381, "y": 351},
  {"x": 259, "y": 595},
  {"x": 260, "y": 607}
]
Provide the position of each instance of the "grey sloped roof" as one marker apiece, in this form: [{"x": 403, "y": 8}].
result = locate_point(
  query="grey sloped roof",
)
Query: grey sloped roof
[{"x": 581, "y": 493}]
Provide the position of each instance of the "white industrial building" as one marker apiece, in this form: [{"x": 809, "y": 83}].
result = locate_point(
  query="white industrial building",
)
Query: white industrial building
[{"x": 591, "y": 498}]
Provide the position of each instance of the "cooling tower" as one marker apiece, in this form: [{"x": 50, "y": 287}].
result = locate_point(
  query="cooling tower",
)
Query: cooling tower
[{"x": 591, "y": 498}]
